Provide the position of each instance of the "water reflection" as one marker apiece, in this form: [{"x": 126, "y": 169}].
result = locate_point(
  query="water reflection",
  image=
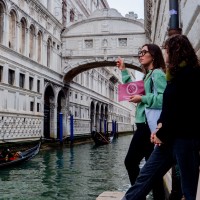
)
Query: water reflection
[{"x": 78, "y": 173}]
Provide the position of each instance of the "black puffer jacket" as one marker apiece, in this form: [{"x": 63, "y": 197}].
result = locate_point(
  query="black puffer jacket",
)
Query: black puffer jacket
[{"x": 180, "y": 115}]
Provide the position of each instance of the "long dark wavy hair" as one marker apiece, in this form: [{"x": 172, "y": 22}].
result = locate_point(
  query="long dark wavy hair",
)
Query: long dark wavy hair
[
  {"x": 180, "y": 50},
  {"x": 156, "y": 53}
]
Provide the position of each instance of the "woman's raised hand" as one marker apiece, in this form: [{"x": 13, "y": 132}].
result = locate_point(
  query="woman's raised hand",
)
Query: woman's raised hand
[{"x": 120, "y": 63}]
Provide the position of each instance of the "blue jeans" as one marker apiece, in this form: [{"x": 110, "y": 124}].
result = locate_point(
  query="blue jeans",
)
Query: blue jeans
[
  {"x": 183, "y": 151},
  {"x": 141, "y": 147}
]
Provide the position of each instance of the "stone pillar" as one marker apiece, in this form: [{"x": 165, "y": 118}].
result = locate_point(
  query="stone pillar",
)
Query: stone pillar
[
  {"x": 17, "y": 42},
  {"x": 26, "y": 86},
  {"x": 16, "y": 83},
  {"x": 35, "y": 84},
  {"x": 94, "y": 119},
  {"x": 27, "y": 103},
  {"x": 36, "y": 48},
  {"x": 6, "y": 29},
  {"x": 53, "y": 120},
  {"x": 35, "y": 104},
  {"x": 27, "y": 42},
  {"x": 42, "y": 85},
  {"x": 44, "y": 53},
  {"x": 17, "y": 101},
  {"x": 64, "y": 112},
  {"x": 5, "y": 74}
]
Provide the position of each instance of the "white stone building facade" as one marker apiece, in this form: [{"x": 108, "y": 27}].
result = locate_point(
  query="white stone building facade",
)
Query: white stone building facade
[
  {"x": 157, "y": 16},
  {"x": 33, "y": 90},
  {"x": 95, "y": 43}
]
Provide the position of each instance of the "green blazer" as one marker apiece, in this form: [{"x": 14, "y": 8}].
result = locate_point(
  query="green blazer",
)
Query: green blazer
[{"x": 149, "y": 99}]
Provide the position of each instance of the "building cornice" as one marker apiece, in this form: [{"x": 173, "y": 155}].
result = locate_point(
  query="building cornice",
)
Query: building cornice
[{"x": 39, "y": 7}]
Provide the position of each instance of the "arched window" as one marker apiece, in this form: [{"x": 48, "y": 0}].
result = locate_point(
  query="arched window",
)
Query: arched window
[
  {"x": 2, "y": 10},
  {"x": 22, "y": 36},
  {"x": 72, "y": 14},
  {"x": 32, "y": 42},
  {"x": 39, "y": 50},
  {"x": 12, "y": 29},
  {"x": 48, "y": 52}
]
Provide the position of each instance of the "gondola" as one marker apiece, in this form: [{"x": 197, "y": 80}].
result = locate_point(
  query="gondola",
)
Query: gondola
[
  {"x": 24, "y": 156},
  {"x": 101, "y": 139}
]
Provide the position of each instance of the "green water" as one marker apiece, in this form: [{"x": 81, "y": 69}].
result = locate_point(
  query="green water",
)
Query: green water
[{"x": 79, "y": 173}]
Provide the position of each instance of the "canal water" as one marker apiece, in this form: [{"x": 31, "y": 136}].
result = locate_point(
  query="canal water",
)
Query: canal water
[{"x": 79, "y": 173}]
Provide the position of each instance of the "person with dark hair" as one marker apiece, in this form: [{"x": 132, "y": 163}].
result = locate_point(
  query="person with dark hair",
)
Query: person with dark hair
[
  {"x": 177, "y": 137},
  {"x": 6, "y": 154},
  {"x": 151, "y": 58}
]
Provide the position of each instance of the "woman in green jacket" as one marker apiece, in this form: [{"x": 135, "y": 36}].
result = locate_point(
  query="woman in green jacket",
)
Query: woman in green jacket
[{"x": 152, "y": 61}]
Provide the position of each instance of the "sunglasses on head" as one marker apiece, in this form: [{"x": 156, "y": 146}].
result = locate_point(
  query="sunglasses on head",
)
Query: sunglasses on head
[{"x": 142, "y": 52}]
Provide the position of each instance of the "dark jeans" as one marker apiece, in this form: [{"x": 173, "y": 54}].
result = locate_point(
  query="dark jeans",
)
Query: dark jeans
[
  {"x": 141, "y": 147},
  {"x": 183, "y": 151}
]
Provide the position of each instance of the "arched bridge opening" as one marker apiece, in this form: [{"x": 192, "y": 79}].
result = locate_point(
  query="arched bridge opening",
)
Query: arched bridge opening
[{"x": 72, "y": 71}]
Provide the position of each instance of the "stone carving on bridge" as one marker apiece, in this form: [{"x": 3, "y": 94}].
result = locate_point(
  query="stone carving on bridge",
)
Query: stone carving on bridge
[{"x": 105, "y": 43}]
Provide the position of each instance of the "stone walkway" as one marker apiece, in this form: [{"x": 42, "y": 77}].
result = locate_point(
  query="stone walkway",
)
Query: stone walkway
[
  {"x": 109, "y": 195},
  {"x": 115, "y": 195}
]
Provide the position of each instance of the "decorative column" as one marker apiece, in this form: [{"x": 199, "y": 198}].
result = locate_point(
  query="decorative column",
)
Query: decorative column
[
  {"x": 44, "y": 53},
  {"x": 16, "y": 83},
  {"x": 97, "y": 121},
  {"x": 53, "y": 120},
  {"x": 35, "y": 83},
  {"x": 26, "y": 86},
  {"x": 17, "y": 42},
  {"x": 64, "y": 13},
  {"x": 64, "y": 112},
  {"x": 27, "y": 46},
  {"x": 5, "y": 73},
  {"x": 36, "y": 48},
  {"x": 6, "y": 29}
]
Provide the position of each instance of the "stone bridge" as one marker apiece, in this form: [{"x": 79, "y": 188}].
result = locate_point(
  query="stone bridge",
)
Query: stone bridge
[{"x": 99, "y": 40}]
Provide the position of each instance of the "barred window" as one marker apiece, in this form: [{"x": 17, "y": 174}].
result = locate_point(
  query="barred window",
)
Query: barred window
[
  {"x": 88, "y": 44},
  {"x": 122, "y": 42}
]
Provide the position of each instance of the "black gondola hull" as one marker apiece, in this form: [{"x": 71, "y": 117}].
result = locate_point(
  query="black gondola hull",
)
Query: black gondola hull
[{"x": 25, "y": 155}]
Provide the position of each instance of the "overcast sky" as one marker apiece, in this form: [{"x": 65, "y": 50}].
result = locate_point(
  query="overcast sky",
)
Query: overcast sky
[{"x": 125, "y": 6}]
